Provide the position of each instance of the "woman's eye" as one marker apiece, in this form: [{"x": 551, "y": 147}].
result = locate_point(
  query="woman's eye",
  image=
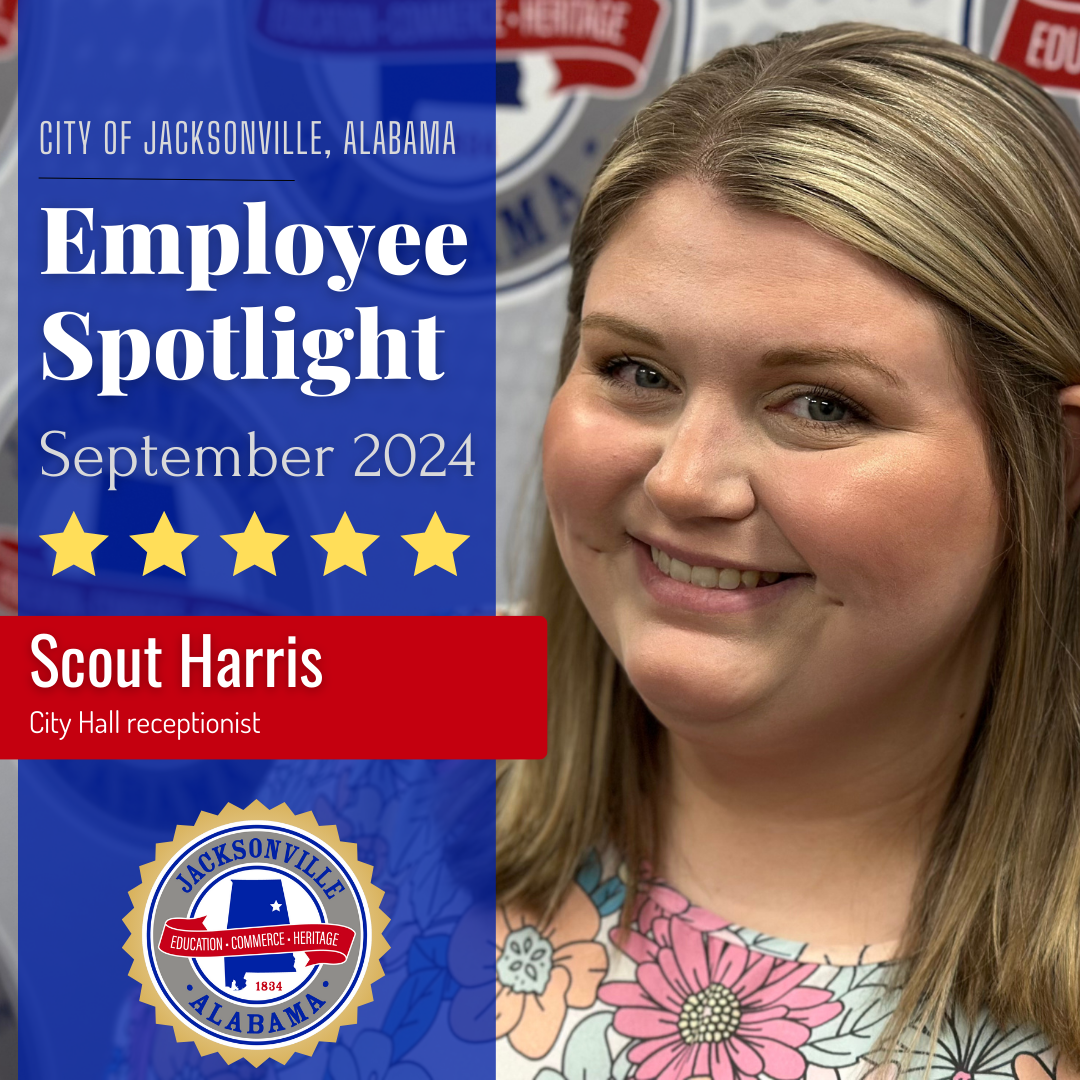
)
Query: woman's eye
[
  {"x": 649, "y": 378},
  {"x": 822, "y": 409},
  {"x": 636, "y": 373}
]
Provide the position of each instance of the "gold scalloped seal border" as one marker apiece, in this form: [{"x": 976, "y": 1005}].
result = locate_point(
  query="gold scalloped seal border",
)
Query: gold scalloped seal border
[{"x": 230, "y": 815}]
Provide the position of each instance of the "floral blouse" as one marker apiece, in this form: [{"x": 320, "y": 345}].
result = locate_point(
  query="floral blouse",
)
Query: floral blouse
[{"x": 687, "y": 996}]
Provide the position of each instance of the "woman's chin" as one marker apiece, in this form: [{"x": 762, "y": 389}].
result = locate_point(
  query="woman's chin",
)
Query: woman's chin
[{"x": 684, "y": 691}]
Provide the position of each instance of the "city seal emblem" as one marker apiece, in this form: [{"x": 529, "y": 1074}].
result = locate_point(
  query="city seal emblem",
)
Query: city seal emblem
[{"x": 256, "y": 933}]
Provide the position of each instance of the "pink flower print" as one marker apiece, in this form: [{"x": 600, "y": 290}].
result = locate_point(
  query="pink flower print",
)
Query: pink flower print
[
  {"x": 707, "y": 1008},
  {"x": 657, "y": 904},
  {"x": 660, "y": 901}
]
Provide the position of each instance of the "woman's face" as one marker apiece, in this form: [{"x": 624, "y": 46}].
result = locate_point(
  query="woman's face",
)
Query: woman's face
[{"x": 766, "y": 476}]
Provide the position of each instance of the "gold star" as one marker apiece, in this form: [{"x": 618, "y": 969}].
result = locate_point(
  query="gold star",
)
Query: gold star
[
  {"x": 164, "y": 546},
  {"x": 344, "y": 546},
  {"x": 435, "y": 546},
  {"x": 73, "y": 546},
  {"x": 254, "y": 546}
]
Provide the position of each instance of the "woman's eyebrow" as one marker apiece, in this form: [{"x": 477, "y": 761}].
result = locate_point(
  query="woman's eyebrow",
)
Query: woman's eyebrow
[
  {"x": 814, "y": 356},
  {"x": 622, "y": 327},
  {"x": 800, "y": 356}
]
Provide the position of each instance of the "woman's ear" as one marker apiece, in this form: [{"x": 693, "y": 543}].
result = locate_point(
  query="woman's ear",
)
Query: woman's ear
[{"x": 1070, "y": 411}]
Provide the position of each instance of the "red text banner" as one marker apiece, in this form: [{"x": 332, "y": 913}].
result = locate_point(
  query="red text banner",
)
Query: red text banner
[
  {"x": 324, "y": 943},
  {"x": 182, "y": 687}
]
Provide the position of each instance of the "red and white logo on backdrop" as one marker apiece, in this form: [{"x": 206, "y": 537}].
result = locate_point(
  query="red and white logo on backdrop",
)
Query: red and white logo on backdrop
[
  {"x": 1041, "y": 39},
  {"x": 9, "y": 28},
  {"x": 605, "y": 45}
]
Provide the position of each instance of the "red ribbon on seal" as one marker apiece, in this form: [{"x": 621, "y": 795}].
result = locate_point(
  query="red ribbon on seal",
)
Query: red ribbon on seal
[
  {"x": 600, "y": 43},
  {"x": 324, "y": 943}
]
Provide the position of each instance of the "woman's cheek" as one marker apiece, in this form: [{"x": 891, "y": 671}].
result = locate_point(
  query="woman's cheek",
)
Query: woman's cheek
[
  {"x": 594, "y": 458},
  {"x": 904, "y": 522}
]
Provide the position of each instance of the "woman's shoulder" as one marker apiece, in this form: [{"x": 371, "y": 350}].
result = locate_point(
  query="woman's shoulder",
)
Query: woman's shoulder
[{"x": 680, "y": 994}]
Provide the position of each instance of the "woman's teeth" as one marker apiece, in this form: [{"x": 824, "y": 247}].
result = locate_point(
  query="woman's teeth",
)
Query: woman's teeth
[{"x": 712, "y": 577}]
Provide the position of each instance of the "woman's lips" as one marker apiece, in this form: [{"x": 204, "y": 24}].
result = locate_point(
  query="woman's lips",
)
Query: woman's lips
[{"x": 710, "y": 589}]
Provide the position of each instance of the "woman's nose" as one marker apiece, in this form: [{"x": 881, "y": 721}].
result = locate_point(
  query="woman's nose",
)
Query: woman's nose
[{"x": 703, "y": 470}]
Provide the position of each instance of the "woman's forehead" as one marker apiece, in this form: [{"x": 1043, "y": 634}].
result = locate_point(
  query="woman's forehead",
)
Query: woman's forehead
[
  {"x": 689, "y": 228},
  {"x": 687, "y": 267}
]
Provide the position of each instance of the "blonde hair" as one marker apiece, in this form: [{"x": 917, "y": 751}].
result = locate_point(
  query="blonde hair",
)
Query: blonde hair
[{"x": 965, "y": 177}]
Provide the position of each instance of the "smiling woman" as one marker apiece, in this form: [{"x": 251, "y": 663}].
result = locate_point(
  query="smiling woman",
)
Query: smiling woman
[
  {"x": 811, "y": 575},
  {"x": 752, "y": 398}
]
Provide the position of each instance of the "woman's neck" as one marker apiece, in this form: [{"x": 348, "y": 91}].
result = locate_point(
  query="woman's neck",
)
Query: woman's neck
[{"x": 813, "y": 831}]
